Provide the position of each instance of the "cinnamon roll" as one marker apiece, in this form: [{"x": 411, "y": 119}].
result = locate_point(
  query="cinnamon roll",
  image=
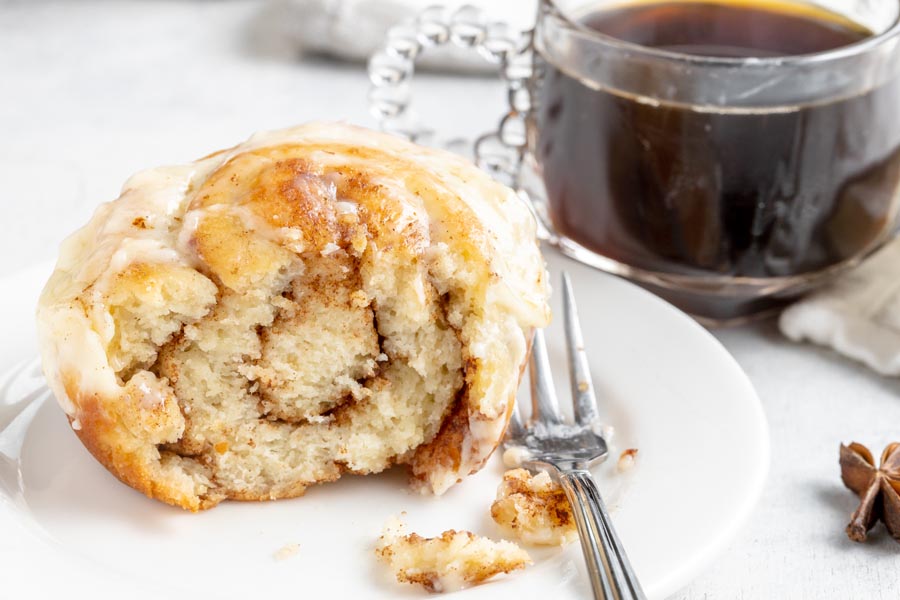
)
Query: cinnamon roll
[{"x": 316, "y": 301}]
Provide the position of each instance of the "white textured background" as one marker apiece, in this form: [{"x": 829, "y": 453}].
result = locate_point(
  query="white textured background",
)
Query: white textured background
[{"x": 92, "y": 91}]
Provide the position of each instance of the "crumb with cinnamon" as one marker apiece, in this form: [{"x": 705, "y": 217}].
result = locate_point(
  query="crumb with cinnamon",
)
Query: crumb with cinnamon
[
  {"x": 452, "y": 561},
  {"x": 534, "y": 509},
  {"x": 627, "y": 460},
  {"x": 877, "y": 488}
]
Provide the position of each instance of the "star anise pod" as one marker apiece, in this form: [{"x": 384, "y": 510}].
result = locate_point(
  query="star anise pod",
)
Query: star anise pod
[{"x": 878, "y": 489}]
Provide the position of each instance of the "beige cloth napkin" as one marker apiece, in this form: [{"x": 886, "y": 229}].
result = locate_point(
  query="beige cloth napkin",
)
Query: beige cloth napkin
[
  {"x": 354, "y": 29},
  {"x": 858, "y": 314}
]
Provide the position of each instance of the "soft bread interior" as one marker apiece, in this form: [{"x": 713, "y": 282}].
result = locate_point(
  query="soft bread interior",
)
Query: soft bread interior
[
  {"x": 303, "y": 365},
  {"x": 291, "y": 384}
]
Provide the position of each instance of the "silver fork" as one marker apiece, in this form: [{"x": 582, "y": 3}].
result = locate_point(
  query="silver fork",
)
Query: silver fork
[{"x": 567, "y": 451}]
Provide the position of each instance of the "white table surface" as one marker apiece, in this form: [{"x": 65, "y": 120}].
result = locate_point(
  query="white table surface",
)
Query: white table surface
[{"x": 93, "y": 91}]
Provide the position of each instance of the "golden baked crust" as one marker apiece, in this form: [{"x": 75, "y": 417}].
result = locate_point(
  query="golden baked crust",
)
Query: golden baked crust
[{"x": 318, "y": 300}]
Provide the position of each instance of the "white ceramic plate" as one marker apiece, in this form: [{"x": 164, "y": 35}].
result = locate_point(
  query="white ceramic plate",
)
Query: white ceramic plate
[{"x": 68, "y": 527}]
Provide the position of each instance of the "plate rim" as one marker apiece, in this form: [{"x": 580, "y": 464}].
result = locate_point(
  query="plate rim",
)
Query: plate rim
[{"x": 702, "y": 560}]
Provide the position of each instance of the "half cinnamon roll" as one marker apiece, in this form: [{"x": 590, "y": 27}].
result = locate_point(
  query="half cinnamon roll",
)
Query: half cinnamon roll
[{"x": 315, "y": 301}]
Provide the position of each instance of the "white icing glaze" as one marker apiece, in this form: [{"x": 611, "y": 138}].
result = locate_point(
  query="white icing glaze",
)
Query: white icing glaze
[
  {"x": 329, "y": 249},
  {"x": 514, "y": 456},
  {"x": 153, "y": 391},
  {"x": 452, "y": 581}
]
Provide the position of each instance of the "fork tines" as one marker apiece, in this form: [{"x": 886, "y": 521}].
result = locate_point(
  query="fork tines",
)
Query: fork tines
[{"x": 544, "y": 402}]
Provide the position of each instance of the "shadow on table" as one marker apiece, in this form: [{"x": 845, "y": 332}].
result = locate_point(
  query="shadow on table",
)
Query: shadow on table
[{"x": 843, "y": 502}]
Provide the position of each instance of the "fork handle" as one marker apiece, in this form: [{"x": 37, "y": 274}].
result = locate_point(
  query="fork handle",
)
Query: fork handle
[{"x": 611, "y": 575}]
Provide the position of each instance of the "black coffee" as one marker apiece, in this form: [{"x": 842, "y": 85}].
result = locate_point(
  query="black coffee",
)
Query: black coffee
[{"x": 671, "y": 189}]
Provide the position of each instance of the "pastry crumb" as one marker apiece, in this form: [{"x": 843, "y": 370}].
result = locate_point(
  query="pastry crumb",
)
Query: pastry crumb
[
  {"x": 534, "y": 509},
  {"x": 450, "y": 562},
  {"x": 514, "y": 456},
  {"x": 286, "y": 551},
  {"x": 627, "y": 460}
]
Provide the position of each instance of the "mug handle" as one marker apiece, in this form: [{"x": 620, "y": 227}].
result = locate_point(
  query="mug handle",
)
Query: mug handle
[{"x": 500, "y": 153}]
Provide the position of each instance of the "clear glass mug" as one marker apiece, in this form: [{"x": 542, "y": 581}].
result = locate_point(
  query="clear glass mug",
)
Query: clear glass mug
[{"x": 817, "y": 162}]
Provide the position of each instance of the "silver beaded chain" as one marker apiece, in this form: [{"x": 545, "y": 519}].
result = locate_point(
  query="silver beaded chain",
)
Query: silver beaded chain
[{"x": 391, "y": 70}]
